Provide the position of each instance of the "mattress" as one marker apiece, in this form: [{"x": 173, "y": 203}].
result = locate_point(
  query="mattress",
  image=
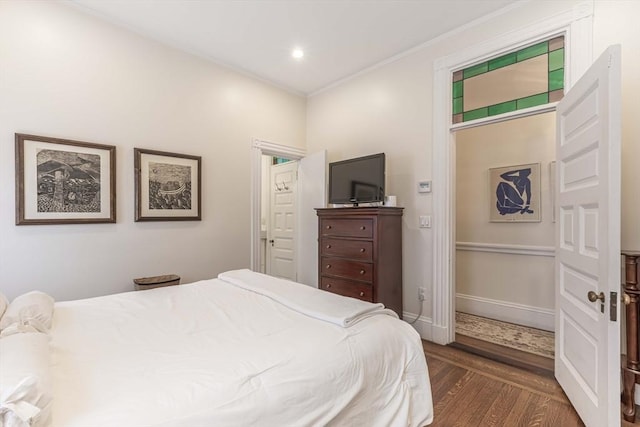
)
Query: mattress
[{"x": 213, "y": 353}]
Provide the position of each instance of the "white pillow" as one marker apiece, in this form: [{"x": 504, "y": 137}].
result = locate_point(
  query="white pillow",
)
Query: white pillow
[
  {"x": 26, "y": 388},
  {"x": 33, "y": 309},
  {"x": 4, "y": 303}
]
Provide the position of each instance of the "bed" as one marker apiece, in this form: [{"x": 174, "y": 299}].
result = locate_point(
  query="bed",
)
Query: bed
[{"x": 242, "y": 349}]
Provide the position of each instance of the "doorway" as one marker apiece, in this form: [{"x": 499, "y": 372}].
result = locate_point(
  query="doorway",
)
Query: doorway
[
  {"x": 504, "y": 270},
  {"x": 278, "y": 217},
  {"x": 576, "y": 24},
  {"x": 309, "y": 194}
]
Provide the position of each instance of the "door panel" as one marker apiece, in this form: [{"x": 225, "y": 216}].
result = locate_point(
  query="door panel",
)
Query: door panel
[
  {"x": 587, "y": 363},
  {"x": 282, "y": 230}
]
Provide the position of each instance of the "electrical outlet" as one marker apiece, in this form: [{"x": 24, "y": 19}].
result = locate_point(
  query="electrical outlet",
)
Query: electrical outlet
[{"x": 421, "y": 294}]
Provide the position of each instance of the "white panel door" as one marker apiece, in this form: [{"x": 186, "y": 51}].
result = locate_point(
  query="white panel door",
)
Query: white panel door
[
  {"x": 312, "y": 172},
  {"x": 587, "y": 361},
  {"x": 281, "y": 243}
]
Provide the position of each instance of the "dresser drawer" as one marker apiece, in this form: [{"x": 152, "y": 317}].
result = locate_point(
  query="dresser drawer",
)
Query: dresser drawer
[
  {"x": 354, "y": 249},
  {"x": 347, "y": 288},
  {"x": 357, "y": 227},
  {"x": 356, "y": 270}
]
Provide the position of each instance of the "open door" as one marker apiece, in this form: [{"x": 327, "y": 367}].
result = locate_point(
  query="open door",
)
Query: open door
[
  {"x": 281, "y": 233},
  {"x": 587, "y": 273}
]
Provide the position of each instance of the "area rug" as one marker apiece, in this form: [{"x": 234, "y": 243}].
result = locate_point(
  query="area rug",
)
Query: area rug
[{"x": 522, "y": 338}]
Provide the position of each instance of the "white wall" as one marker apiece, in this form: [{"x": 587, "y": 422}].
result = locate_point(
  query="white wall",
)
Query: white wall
[
  {"x": 616, "y": 22},
  {"x": 389, "y": 109},
  {"x": 68, "y": 75}
]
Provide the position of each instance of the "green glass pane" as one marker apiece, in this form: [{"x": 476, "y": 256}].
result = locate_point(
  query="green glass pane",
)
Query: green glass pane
[
  {"x": 532, "y": 101},
  {"x": 505, "y": 107},
  {"x": 531, "y": 51},
  {"x": 475, "y": 114},
  {"x": 556, "y": 79},
  {"x": 457, "y": 105},
  {"x": 503, "y": 61},
  {"x": 457, "y": 89},
  {"x": 475, "y": 70},
  {"x": 556, "y": 59}
]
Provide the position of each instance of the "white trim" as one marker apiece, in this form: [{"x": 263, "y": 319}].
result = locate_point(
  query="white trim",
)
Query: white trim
[
  {"x": 423, "y": 325},
  {"x": 501, "y": 248},
  {"x": 521, "y": 314},
  {"x": 525, "y": 112},
  {"x": 258, "y": 148},
  {"x": 576, "y": 25}
]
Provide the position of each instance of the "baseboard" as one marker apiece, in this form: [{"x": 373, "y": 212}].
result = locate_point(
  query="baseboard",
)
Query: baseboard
[
  {"x": 422, "y": 325},
  {"x": 526, "y": 315}
]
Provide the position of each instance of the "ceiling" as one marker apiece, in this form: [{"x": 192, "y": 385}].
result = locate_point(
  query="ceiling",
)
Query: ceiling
[{"x": 339, "y": 37}]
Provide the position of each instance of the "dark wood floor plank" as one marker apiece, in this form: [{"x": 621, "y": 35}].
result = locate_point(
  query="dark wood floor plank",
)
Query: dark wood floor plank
[{"x": 521, "y": 359}]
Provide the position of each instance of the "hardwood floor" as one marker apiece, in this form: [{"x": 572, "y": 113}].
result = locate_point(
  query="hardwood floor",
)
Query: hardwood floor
[{"x": 469, "y": 390}]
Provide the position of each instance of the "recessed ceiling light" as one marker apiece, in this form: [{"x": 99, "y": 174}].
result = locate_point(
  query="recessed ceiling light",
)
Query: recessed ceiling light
[{"x": 297, "y": 53}]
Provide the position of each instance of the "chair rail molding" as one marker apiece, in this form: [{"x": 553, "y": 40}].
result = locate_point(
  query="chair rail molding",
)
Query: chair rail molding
[{"x": 502, "y": 248}]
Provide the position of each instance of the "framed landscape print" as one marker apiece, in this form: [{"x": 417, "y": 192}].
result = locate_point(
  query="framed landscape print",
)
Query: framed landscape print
[
  {"x": 515, "y": 193},
  {"x": 167, "y": 186},
  {"x": 60, "y": 181}
]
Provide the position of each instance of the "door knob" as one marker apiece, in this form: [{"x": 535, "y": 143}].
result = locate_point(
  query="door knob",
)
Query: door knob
[
  {"x": 626, "y": 299},
  {"x": 593, "y": 297}
]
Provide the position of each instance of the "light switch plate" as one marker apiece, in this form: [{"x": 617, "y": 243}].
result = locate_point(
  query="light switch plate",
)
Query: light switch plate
[
  {"x": 424, "y": 186},
  {"x": 425, "y": 221}
]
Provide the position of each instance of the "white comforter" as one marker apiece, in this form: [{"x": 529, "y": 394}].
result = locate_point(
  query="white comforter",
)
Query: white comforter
[{"x": 214, "y": 354}]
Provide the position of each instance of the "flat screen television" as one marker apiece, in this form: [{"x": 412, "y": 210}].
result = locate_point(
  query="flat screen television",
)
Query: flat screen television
[{"x": 359, "y": 180}]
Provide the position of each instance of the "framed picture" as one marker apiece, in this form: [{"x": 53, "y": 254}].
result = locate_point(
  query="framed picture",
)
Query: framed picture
[
  {"x": 515, "y": 193},
  {"x": 167, "y": 186},
  {"x": 60, "y": 181}
]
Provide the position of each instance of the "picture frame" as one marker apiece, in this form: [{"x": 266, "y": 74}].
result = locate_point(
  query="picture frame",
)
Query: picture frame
[
  {"x": 63, "y": 181},
  {"x": 514, "y": 193},
  {"x": 167, "y": 186}
]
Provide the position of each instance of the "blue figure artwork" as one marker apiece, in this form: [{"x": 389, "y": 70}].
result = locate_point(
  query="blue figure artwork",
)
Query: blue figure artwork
[{"x": 514, "y": 193}]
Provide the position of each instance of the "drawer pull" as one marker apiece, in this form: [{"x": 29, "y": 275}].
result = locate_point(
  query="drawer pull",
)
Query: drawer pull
[
  {"x": 328, "y": 285},
  {"x": 328, "y": 246},
  {"x": 361, "y": 249},
  {"x": 362, "y": 272},
  {"x": 362, "y": 227},
  {"x": 328, "y": 266},
  {"x": 328, "y": 227},
  {"x": 361, "y": 293}
]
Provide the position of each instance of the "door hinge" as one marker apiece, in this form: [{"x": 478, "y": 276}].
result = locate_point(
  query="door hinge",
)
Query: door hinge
[{"x": 613, "y": 307}]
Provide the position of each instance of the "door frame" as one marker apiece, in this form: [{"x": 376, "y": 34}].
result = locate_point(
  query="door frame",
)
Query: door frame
[
  {"x": 576, "y": 25},
  {"x": 258, "y": 149}
]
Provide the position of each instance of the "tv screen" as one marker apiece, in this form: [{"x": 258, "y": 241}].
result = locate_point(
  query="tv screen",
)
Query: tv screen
[{"x": 359, "y": 180}]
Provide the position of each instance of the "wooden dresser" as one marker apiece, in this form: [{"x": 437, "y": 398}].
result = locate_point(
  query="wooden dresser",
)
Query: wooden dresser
[{"x": 360, "y": 253}]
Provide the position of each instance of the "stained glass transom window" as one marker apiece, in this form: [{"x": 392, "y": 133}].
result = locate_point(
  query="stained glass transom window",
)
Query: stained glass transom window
[{"x": 522, "y": 79}]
